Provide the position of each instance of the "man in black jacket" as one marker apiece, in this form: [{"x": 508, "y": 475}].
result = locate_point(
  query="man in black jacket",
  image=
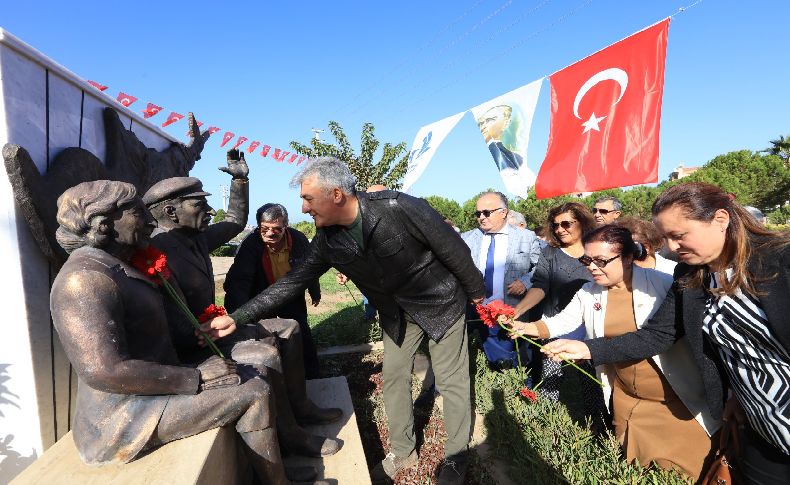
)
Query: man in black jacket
[
  {"x": 264, "y": 257},
  {"x": 416, "y": 271}
]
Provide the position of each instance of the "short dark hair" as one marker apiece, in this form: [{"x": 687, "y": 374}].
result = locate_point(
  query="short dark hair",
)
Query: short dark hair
[
  {"x": 617, "y": 235},
  {"x": 580, "y": 212}
]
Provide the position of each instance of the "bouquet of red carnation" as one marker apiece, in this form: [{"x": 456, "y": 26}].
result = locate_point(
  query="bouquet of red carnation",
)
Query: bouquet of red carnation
[
  {"x": 211, "y": 312},
  {"x": 498, "y": 313},
  {"x": 153, "y": 263}
]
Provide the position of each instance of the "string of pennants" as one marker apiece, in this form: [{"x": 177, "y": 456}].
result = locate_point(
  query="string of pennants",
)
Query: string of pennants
[{"x": 152, "y": 110}]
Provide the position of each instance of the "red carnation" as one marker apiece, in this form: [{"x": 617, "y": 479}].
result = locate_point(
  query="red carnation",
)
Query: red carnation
[
  {"x": 490, "y": 314},
  {"x": 212, "y": 311},
  {"x": 151, "y": 262},
  {"x": 529, "y": 394}
]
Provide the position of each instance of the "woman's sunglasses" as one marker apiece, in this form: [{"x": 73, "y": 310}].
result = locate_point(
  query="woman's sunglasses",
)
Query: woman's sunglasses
[
  {"x": 586, "y": 260},
  {"x": 563, "y": 224}
]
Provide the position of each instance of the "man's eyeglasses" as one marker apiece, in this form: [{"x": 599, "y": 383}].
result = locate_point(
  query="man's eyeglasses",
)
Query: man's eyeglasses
[
  {"x": 487, "y": 212},
  {"x": 596, "y": 210},
  {"x": 273, "y": 230},
  {"x": 600, "y": 262},
  {"x": 564, "y": 224}
]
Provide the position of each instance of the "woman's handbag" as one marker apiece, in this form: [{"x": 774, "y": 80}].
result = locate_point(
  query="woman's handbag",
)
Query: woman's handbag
[{"x": 723, "y": 470}]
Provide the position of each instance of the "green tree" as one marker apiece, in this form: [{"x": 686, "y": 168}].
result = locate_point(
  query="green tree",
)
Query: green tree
[
  {"x": 219, "y": 216},
  {"x": 448, "y": 208},
  {"x": 305, "y": 227},
  {"x": 762, "y": 181},
  {"x": 388, "y": 171},
  {"x": 536, "y": 211}
]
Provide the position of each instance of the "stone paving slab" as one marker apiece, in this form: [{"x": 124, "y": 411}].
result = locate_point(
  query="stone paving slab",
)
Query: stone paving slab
[{"x": 347, "y": 466}]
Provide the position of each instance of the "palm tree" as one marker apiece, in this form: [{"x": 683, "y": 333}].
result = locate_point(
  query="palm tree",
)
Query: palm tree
[
  {"x": 388, "y": 171},
  {"x": 780, "y": 147}
]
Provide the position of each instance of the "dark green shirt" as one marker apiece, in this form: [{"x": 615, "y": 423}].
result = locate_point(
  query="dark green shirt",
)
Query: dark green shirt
[{"x": 355, "y": 230}]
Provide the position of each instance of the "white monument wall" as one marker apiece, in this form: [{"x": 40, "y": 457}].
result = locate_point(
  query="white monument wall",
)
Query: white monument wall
[{"x": 44, "y": 108}]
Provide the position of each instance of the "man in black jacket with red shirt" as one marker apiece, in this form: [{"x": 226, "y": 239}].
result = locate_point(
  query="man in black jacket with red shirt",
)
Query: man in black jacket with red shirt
[{"x": 264, "y": 257}]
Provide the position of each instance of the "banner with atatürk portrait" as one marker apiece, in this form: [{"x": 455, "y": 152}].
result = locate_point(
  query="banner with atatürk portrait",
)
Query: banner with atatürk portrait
[{"x": 505, "y": 122}]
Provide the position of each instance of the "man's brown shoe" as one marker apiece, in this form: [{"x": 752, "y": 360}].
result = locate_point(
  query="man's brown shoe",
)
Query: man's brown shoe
[{"x": 391, "y": 465}]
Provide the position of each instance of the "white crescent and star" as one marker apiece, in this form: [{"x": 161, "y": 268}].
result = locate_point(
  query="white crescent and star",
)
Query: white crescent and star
[{"x": 614, "y": 74}]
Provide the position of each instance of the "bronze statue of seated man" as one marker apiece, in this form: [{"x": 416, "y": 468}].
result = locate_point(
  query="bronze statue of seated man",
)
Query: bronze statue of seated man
[
  {"x": 134, "y": 393},
  {"x": 183, "y": 215}
]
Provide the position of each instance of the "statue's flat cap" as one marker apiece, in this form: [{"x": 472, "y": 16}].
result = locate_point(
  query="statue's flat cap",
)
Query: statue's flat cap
[{"x": 174, "y": 188}]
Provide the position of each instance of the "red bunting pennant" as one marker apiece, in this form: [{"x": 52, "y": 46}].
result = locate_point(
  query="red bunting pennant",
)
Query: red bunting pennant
[
  {"x": 98, "y": 86},
  {"x": 199, "y": 123},
  {"x": 293, "y": 158},
  {"x": 213, "y": 129},
  {"x": 239, "y": 142},
  {"x": 172, "y": 118},
  {"x": 280, "y": 157},
  {"x": 151, "y": 110},
  {"x": 301, "y": 159},
  {"x": 226, "y": 138},
  {"x": 253, "y": 146},
  {"x": 125, "y": 99},
  {"x": 265, "y": 150}
]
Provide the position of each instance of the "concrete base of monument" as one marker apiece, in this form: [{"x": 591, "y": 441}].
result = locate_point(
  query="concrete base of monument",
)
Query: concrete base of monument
[
  {"x": 212, "y": 457},
  {"x": 348, "y": 465}
]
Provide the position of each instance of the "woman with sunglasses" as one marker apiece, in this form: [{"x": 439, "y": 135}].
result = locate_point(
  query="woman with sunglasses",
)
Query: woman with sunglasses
[
  {"x": 264, "y": 257},
  {"x": 557, "y": 277},
  {"x": 658, "y": 405},
  {"x": 730, "y": 300}
]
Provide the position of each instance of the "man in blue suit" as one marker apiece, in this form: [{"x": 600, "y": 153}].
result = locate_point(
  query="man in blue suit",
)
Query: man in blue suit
[{"x": 506, "y": 256}]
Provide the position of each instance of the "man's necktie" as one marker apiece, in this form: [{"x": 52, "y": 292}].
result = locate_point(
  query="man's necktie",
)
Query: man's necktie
[{"x": 488, "y": 276}]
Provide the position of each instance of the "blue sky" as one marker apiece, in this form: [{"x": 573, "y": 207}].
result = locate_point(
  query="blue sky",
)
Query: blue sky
[{"x": 271, "y": 71}]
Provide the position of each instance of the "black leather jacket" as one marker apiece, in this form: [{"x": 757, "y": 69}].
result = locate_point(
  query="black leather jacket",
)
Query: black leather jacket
[{"x": 412, "y": 262}]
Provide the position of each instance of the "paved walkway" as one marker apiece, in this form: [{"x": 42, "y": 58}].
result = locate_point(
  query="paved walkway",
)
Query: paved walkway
[{"x": 221, "y": 266}]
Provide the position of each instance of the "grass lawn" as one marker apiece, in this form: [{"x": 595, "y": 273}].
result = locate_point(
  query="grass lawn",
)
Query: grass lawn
[{"x": 338, "y": 319}]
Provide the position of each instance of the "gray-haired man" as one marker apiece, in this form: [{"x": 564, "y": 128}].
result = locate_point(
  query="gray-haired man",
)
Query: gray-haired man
[
  {"x": 607, "y": 210},
  {"x": 416, "y": 271}
]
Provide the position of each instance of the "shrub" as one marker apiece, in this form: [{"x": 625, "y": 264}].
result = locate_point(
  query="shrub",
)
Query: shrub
[
  {"x": 543, "y": 444},
  {"x": 225, "y": 250}
]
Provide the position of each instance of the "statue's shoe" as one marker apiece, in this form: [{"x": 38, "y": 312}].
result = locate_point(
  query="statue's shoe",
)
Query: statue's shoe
[
  {"x": 301, "y": 473},
  {"x": 312, "y": 414},
  {"x": 314, "y": 445}
]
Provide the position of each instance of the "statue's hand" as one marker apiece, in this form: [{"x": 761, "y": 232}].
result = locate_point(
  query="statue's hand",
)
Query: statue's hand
[
  {"x": 216, "y": 372},
  {"x": 237, "y": 166},
  {"x": 198, "y": 138}
]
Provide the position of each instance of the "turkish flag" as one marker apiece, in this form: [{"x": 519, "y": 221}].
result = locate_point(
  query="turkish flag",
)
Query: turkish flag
[
  {"x": 240, "y": 141},
  {"x": 301, "y": 159},
  {"x": 125, "y": 99},
  {"x": 98, "y": 86},
  {"x": 151, "y": 110},
  {"x": 253, "y": 146},
  {"x": 265, "y": 150},
  {"x": 172, "y": 118},
  {"x": 228, "y": 136},
  {"x": 605, "y": 117},
  {"x": 213, "y": 129}
]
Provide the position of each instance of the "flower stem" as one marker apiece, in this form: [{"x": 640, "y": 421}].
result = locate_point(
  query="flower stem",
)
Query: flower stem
[
  {"x": 183, "y": 307},
  {"x": 563, "y": 358}
]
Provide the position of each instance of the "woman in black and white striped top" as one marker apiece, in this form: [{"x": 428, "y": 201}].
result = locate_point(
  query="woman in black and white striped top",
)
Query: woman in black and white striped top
[{"x": 731, "y": 298}]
